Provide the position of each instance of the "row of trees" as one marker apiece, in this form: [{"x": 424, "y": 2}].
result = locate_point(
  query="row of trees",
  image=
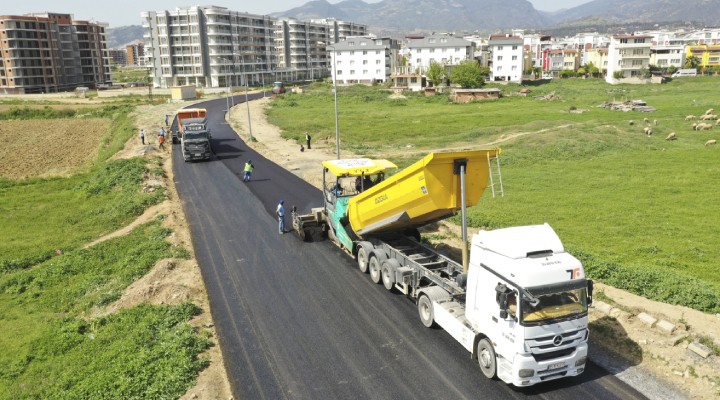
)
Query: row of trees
[{"x": 467, "y": 74}]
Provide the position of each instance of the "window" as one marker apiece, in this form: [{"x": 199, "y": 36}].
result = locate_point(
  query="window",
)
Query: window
[
  {"x": 351, "y": 43},
  {"x": 623, "y": 41},
  {"x": 432, "y": 50},
  {"x": 638, "y": 52},
  {"x": 499, "y": 58},
  {"x": 364, "y": 52},
  {"x": 499, "y": 68},
  {"x": 365, "y": 72},
  {"x": 352, "y": 62},
  {"x": 514, "y": 68},
  {"x": 339, "y": 62},
  {"x": 514, "y": 47},
  {"x": 514, "y": 58},
  {"x": 443, "y": 40},
  {"x": 352, "y": 72},
  {"x": 365, "y": 62},
  {"x": 339, "y": 72},
  {"x": 377, "y": 52},
  {"x": 418, "y": 61},
  {"x": 377, "y": 71},
  {"x": 377, "y": 62},
  {"x": 500, "y": 48}
]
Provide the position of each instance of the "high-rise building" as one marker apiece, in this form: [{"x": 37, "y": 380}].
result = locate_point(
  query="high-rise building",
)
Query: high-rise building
[
  {"x": 208, "y": 46},
  {"x": 50, "y": 52},
  {"x": 135, "y": 54}
]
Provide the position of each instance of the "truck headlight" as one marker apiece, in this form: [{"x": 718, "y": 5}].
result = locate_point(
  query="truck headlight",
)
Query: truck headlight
[
  {"x": 526, "y": 373},
  {"x": 580, "y": 361}
]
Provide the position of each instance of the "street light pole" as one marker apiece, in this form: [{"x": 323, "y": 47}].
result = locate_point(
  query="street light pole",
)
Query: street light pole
[
  {"x": 337, "y": 125},
  {"x": 247, "y": 102}
]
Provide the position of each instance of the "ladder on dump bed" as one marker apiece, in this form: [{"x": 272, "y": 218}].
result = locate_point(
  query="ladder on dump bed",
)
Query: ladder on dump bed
[{"x": 495, "y": 181}]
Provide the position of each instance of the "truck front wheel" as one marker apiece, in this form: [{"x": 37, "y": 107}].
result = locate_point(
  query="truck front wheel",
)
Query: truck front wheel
[
  {"x": 425, "y": 309},
  {"x": 486, "y": 358}
]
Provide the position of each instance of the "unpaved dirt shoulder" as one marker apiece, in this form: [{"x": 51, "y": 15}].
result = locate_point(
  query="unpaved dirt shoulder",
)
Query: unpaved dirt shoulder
[{"x": 172, "y": 281}]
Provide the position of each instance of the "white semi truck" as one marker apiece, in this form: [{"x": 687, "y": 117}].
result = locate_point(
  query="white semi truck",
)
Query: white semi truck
[{"x": 520, "y": 307}]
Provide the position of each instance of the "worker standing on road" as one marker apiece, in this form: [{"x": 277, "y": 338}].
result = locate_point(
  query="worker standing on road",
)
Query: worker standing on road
[
  {"x": 142, "y": 136},
  {"x": 307, "y": 139},
  {"x": 166, "y": 120},
  {"x": 248, "y": 171},
  {"x": 162, "y": 132},
  {"x": 161, "y": 140},
  {"x": 280, "y": 212}
]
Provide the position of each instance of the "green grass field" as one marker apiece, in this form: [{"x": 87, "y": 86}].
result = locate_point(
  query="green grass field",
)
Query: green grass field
[
  {"x": 638, "y": 210},
  {"x": 49, "y": 284}
]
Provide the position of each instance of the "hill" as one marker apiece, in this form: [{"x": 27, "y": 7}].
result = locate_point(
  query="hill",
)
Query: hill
[
  {"x": 646, "y": 11},
  {"x": 120, "y": 36}
]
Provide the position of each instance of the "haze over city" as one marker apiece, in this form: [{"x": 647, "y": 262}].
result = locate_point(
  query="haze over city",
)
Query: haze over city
[{"x": 127, "y": 12}]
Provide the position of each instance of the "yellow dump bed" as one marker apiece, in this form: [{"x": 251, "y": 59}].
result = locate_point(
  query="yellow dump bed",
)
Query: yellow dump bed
[{"x": 426, "y": 191}]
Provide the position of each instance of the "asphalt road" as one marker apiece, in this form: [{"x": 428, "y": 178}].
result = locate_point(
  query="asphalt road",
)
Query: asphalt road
[{"x": 298, "y": 320}]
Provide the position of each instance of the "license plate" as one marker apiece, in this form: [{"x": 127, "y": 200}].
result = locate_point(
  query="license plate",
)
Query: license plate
[
  {"x": 197, "y": 154},
  {"x": 556, "y": 365}
]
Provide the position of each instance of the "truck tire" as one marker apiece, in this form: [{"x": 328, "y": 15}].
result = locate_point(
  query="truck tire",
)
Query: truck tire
[
  {"x": 486, "y": 358},
  {"x": 363, "y": 256},
  {"x": 375, "y": 266},
  {"x": 388, "y": 273},
  {"x": 425, "y": 309}
]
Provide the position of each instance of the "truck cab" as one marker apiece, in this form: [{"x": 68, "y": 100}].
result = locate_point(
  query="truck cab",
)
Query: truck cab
[
  {"x": 530, "y": 299},
  {"x": 195, "y": 140}
]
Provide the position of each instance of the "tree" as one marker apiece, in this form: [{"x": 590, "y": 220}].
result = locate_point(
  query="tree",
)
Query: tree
[
  {"x": 692, "y": 62},
  {"x": 468, "y": 74},
  {"x": 671, "y": 69},
  {"x": 618, "y": 75},
  {"x": 581, "y": 71},
  {"x": 435, "y": 74}
]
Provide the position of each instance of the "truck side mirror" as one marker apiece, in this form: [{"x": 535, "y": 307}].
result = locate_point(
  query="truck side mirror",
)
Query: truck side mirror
[
  {"x": 590, "y": 291},
  {"x": 503, "y": 303}
]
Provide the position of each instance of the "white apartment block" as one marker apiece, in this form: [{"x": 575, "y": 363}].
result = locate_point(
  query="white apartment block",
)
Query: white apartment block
[
  {"x": 442, "y": 49},
  {"x": 208, "y": 47},
  {"x": 301, "y": 48},
  {"x": 365, "y": 60},
  {"x": 628, "y": 54},
  {"x": 505, "y": 55},
  {"x": 340, "y": 30}
]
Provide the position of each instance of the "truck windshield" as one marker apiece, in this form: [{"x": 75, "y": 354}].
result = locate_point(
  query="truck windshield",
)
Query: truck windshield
[
  {"x": 195, "y": 135},
  {"x": 554, "y": 306}
]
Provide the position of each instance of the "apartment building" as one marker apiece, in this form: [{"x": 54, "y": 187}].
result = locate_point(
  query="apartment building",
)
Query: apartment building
[
  {"x": 366, "y": 60},
  {"x": 598, "y": 57},
  {"x": 628, "y": 55},
  {"x": 51, "y": 52},
  {"x": 118, "y": 57},
  {"x": 209, "y": 46},
  {"x": 505, "y": 58},
  {"x": 301, "y": 48},
  {"x": 534, "y": 45},
  {"x": 135, "y": 54},
  {"x": 442, "y": 49},
  {"x": 708, "y": 55},
  {"x": 340, "y": 30}
]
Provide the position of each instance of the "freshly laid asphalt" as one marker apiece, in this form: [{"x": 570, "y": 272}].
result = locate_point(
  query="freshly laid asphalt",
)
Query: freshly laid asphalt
[{"x": 299, "y": 320}]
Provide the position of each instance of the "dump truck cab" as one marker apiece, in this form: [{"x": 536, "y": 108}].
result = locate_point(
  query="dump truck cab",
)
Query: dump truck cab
[{"x": 537, "y": 296}]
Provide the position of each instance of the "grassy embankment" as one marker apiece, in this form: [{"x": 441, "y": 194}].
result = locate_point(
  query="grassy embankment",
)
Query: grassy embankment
[
  {"x": 49, "y": 284},
  {"x": 639, "y": 211}
]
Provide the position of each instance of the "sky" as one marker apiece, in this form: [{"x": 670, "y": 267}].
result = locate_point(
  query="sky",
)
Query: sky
[{"x": 127, "y": 12}]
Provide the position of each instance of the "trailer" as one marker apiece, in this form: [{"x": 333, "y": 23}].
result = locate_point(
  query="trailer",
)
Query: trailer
[
  {"x": 193, "y": 134},
  {"x": 518, "y": 303}
]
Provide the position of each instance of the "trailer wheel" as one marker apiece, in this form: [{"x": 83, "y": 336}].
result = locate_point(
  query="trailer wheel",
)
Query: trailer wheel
[
  {"x": 486, "y": 358},
  {"x": 363, "y": 256},
  {"x": 425, "y": 309},
  {"x": 375, "y": 266},
  {"x": 388, "y": 273}
]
